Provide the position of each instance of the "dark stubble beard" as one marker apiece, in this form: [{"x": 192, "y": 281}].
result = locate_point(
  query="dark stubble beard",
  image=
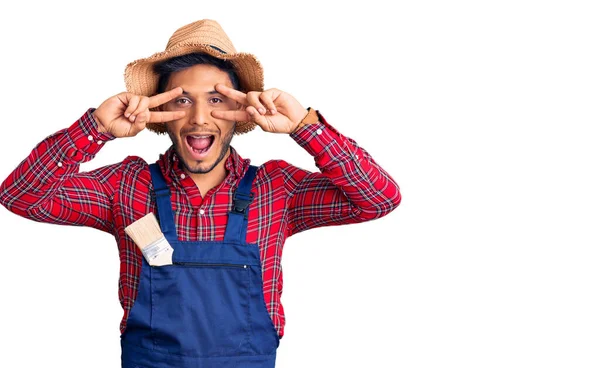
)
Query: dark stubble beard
[{"x": 225, "y": 142}]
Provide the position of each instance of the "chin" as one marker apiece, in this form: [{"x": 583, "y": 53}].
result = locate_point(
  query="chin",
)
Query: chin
[
  {"x": 194, "y": 167},
  {"x": 201, "y": 161},
  {"x": 207, "y": 163}
]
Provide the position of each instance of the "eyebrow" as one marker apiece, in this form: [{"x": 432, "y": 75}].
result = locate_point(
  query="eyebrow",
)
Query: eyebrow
[{"x": 213, "y": 92}]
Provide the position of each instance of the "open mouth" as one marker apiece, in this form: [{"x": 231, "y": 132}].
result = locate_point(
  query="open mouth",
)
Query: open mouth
[{"x": 199, "y": 145}]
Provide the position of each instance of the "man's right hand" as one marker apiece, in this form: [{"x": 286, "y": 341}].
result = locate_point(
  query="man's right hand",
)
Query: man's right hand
[{"x": 126, "y": 114}]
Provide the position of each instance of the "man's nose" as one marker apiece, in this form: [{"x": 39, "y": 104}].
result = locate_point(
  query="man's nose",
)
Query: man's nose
[{"x": 200, "y": 114}]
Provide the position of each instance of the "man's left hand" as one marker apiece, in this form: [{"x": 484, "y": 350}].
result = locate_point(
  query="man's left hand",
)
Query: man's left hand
[{"x": 273, "y": 110}]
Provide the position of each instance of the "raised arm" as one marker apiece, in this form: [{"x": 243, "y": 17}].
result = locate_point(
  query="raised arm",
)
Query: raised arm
[
  {"x": 350, "y": 187},
  {"x": 48, "y": 187}
]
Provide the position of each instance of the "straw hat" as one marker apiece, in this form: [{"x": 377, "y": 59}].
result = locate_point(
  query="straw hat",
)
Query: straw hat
[{"x": 205, "y": 36}]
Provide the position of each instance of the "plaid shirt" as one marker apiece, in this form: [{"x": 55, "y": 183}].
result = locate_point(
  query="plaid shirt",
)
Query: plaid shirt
[{"x": 48, "y": 187}]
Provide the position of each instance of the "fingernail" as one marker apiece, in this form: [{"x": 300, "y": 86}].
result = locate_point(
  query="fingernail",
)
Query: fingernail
[
  {"x": 273, "y": 111},
  {"x": 132, "y": 118},
  {"x": 262, "y": 110},
  {"x": 127, "y": 114},
  {"x": 251, "y": 113}
]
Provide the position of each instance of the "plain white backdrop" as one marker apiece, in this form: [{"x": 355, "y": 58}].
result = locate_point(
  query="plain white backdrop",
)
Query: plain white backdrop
[{"x": 485, "y": 112}]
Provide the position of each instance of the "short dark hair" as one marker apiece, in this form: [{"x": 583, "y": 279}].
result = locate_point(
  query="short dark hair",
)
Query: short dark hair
[{"x": 165, "y": 68}]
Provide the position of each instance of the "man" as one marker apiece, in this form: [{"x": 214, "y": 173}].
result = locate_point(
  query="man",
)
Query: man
[{"x": 218, "y": 304}]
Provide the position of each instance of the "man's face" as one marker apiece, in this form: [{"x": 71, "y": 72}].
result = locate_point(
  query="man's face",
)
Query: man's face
[{"x": 201, "y": 141}]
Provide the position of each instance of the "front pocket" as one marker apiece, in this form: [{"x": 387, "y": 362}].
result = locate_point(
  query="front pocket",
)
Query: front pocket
[{"x": 201, "y": 309}]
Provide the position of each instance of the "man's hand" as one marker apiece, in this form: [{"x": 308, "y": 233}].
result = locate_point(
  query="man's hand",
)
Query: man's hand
[
  {"x": 126, "y": 114},
  {"x": 273, "y": 110}
]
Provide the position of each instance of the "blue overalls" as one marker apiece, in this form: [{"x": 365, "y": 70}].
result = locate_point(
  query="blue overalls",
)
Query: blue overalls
[{"x": 207, "y": 310}]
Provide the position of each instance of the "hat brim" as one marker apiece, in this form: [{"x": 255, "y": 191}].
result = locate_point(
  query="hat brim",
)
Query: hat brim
[{"x": 140, "y": 78}]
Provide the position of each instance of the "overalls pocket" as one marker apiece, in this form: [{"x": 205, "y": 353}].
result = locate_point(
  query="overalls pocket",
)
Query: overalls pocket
[{"x": 201, "y": 309}]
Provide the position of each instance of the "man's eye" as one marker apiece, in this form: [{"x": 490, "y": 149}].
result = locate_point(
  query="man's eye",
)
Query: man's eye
[
  {"x": 182, "y": 100},
  {"x": 215, "y": 100}
]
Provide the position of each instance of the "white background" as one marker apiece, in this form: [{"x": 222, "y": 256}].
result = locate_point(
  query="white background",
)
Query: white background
[{"x": 485, "y": 112}]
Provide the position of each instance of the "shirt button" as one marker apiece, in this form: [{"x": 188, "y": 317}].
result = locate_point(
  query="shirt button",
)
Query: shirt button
[
  {"x": 90, "y": 138},
  {"x": 201, "y": 211},
  {"x": 356, "y": 157},
  {"x": 59, "y": 164},
  {"x": 182, "y": 176},
  {"x": 319, "y": 131},
  {"x": 100, "y": 142}
]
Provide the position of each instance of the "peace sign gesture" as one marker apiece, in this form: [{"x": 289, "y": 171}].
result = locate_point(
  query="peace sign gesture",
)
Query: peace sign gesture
[
  {"x": 273, "y": 110},
  {"x": 126, "y": 114}
]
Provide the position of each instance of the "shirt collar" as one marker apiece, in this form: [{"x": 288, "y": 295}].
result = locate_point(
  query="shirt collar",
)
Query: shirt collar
[{"x": 171, "y": 169}]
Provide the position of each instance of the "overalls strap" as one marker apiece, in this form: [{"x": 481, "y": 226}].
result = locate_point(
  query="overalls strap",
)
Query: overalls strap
[
  {"x": 163, "y": 202},
  {"x": 237, "y": 221}
]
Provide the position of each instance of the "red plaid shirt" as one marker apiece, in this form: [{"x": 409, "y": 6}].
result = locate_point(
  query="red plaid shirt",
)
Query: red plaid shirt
[{"x": 48, "y": 187}]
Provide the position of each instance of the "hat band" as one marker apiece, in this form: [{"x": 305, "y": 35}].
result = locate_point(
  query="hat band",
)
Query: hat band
[{"x": 218, "y": 49}]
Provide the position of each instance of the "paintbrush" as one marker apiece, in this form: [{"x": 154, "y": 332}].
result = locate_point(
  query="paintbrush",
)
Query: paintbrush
[{"x": 146, "y": 234}]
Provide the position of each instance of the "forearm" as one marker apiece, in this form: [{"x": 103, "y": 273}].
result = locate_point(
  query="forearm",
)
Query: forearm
[
  {"x": 44, "y": 186},
  {"x": 356, "y": 188}
]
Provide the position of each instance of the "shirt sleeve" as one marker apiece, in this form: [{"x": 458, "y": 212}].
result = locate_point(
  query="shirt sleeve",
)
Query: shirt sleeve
[
  {"x": 350, "y": 187},
  {"x": 47, "y": 185}
]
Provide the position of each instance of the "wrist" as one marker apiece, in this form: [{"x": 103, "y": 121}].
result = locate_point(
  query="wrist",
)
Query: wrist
[
  {"x": 311, "y": 117},
  {"x": 99, "y": 127}
]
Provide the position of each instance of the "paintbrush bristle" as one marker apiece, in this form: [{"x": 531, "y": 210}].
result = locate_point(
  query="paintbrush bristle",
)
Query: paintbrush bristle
[
  {"x": 147, "y": 235},
  {"x": 144, "y": 231}
]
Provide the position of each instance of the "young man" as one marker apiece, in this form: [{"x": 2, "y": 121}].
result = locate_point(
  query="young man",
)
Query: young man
[{"x": 218, "y": 304}]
